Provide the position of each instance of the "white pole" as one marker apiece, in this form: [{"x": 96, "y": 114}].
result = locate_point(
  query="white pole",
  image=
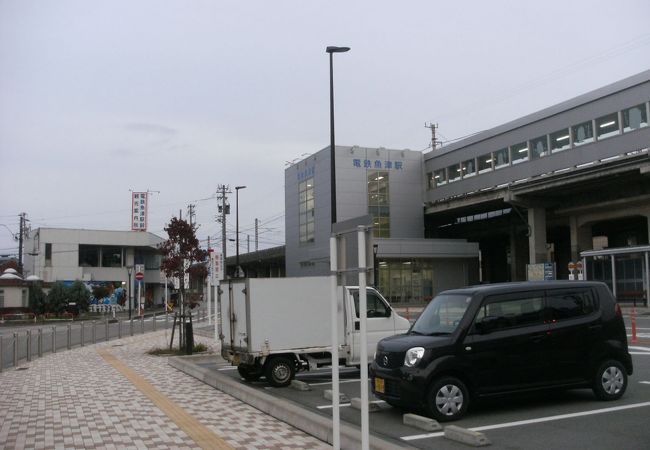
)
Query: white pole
[
  {"x": 336, "y": 438},
  {"x": 216, "y": 312},
  {"x": 139, "y": 297},
  {"x": 209, "y": 299},
  {"x": 363, "y": 308}
]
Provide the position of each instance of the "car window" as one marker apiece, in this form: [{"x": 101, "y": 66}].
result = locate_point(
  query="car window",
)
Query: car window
[
  {"x": 512, "y": 310},
  {"x": 375, "y": 306},
  {"x": 570, "y": 303},
  {"x": 442, "y": 315}
]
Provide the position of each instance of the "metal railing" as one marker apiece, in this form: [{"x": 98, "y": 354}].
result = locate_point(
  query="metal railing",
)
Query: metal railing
[{"x": 22, "y": 346}]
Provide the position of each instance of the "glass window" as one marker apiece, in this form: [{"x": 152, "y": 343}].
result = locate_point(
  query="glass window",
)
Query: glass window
[
  {"x": 375, "y": 306},
  {"x": 24, "y": 298},
  {"x": 468, "y": 168},
  {"x": 519, "y": 152},
  {"x": 88, "y": 255},
  {"x": 454, "y": 172},
  {"x": 2, "y": 298},
  {"x": 378, "y": 203},
  {"x": 583, "y": 133},
  {"x": 539, "y": 147},
  {"x": 306, "y": 210},
  {"x": 607, "y": 126},
  {"x": 431, "y": 181},
  {"x": 635, "y": 117},
  {"x": 440, "y": 177},
  {"x": 111, "y": 257},
  {"x": 442, "y": 315},
  {"x": 501, "y": 158},
  {"x": 485, "y": 163},
  {"x": 510, "y": 311},
  {"x": 567, "y": 304},
  {"x": 560, "y": 140},
  {"x": 48, "y": 254}
]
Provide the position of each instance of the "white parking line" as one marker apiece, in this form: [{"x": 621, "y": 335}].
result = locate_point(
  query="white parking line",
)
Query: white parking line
[
  {"x": 228, "y": 368},
  {"x": 348, "y": 404},
  {"x": 643, "y": 349},
  {"x": 644, "y": 382},
  {"x": 329, "y": 382},
  {"x": 640, "y": 353},
  {"x": 533, "y": 421}
]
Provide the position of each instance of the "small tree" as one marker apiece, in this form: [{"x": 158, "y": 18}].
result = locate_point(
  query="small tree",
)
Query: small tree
[
  {"x": 181, "y": 252},
  {"x": 37, "y": 299},
  {"x": 79, "y": 294},
  {"x": 57, "y": 299}
]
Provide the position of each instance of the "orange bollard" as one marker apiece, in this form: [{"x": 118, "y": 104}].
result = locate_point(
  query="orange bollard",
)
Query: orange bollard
[{"x": 634, "y": 340}]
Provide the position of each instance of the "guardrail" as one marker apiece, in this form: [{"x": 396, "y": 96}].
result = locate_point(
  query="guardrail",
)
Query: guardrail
[{"x": 22, "y": 346}]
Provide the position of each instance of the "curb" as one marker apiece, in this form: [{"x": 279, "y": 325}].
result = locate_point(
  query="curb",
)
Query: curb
[{"x": 311, "y": 423}]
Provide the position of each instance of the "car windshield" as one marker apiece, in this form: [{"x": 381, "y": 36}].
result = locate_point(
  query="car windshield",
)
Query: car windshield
[{"x": 442, "y": 315}]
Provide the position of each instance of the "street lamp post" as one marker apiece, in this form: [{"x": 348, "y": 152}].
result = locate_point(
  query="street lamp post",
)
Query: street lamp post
[
  {"x": 331, "y": 50},
  {"x": 237, "y": 268},
  {"x": 129, "y": 271}
]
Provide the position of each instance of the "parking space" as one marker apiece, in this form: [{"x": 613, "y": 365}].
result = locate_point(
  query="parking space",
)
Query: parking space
[{"x": 536, "y": 421}]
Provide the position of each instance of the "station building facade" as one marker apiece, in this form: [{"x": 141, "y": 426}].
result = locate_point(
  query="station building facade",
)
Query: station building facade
[{"x": 386, "y": 185}]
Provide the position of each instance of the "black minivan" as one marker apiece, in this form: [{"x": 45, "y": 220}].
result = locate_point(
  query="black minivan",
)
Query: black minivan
[{"x": 504, "y": 338}]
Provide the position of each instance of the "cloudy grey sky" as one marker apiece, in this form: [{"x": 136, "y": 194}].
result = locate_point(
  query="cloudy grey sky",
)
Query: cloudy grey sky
[{"x": 100, "y": 97}]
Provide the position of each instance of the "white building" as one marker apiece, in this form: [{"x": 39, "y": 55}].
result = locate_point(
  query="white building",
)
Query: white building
[{"x": 96, "y": 257}]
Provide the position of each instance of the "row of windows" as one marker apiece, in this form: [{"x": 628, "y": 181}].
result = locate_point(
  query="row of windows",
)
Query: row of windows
[
  {"x": 306, "y": 208},
  {"x": 99, "y": 256},
  {"x": 583, "y": 133},
  {"x": 378, "y": 203},
  {"x": 512, "y": 311}
]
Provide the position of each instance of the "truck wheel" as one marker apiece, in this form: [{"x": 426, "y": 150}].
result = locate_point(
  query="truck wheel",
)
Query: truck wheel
[
  {"x": 280, "y": 371},
  {"x": 249, "y": 373},
  {"x": 610, "y": 380},
  {"x": 447, "y": 399}
]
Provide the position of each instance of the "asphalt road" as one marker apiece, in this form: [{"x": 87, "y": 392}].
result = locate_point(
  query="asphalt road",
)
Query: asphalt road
[{"x": 559, "y": 420}]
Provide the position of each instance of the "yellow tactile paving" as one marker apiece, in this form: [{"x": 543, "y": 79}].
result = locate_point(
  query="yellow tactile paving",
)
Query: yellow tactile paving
[{"x": 202, "y": 436}]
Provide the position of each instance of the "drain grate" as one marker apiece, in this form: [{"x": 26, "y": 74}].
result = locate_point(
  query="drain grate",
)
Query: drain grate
[{"x": 22, "y": 368}]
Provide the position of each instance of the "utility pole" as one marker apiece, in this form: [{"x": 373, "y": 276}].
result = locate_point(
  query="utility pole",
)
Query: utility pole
[
  {"x": 191, "y": 213},
  {"x": 224, "y": 209},
  {"x": 434, "y": 140},
  {"x": 256, "y": 234},
  {"x": 20, "y": 242}
]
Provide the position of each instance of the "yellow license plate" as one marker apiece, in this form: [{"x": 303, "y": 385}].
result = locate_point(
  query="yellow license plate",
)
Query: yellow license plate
[{"x": 379, "y": 385}]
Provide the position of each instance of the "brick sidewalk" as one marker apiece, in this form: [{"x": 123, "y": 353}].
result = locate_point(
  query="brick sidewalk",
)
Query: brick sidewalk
[{"x": 78, "y": 400}]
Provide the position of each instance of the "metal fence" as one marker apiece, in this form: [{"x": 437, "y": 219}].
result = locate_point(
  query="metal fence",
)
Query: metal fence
[{"x": 21, "y": 346}]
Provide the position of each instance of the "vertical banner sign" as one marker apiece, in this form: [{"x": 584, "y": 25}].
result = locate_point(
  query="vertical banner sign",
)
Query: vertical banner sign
[
  {"x": 216, "y": 263},
  {"x": 139, "y": 211}
]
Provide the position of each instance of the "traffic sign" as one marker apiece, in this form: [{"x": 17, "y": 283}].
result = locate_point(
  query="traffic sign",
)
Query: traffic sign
[
  {"x": 139, "y": 276},
  {"x": 579, "y": 266},
  {"x": 572, "y": 266}
]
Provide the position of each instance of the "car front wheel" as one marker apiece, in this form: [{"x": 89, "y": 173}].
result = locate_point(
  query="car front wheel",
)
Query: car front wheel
[
  {"x": 448, "y": 399},
  {"x": 610, "y": 380}
]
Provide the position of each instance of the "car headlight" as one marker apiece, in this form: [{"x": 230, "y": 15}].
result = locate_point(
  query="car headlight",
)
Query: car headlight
[{"x": 413, "y": 356}]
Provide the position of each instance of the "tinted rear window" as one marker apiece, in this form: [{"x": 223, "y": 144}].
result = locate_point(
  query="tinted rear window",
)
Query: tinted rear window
[{"x": 570, "y": 303}]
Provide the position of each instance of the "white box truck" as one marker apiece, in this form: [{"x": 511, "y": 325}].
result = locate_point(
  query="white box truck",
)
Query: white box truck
[{"x": 275, "y": 327}]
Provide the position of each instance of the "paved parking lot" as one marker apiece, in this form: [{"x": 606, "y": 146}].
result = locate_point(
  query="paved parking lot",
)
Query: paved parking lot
[{"x": 537, "y": 421}]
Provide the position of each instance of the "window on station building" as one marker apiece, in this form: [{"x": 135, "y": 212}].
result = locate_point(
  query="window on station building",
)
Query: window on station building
[
  {"x": 519, "y": 152},
  {"x": 539, "y": 147},
  {"x": 468, "y": 168},
  {"x": 306, "y": 210},
  {"x": 583, "y": 133},
  {"x": 440, "y": 177},
  {"x": 485, "y": 163},
  {"x": 560, "y": 140},
  {"x": 501, "y": 158},
  {"x": 635, "y": 117},
  {"x": 379, "y": 203},
  {"x": 453, "y": 172},
  {"x": 607, "y": 126},
  {"x": 89, "y": 255}
]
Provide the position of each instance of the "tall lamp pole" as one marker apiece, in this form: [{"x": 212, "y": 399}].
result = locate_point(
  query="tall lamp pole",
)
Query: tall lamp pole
[
  {"x": 331, "y": 50},
  {"x": 237, "y": 268},
  {"x": 129, "y": 271}
]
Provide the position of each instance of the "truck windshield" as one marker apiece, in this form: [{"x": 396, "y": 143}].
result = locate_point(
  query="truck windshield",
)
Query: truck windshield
[{"x": 442, "y": 315}]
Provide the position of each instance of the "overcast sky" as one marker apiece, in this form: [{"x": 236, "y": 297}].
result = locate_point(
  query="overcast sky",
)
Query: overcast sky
[{"x": 100, "y": 98}]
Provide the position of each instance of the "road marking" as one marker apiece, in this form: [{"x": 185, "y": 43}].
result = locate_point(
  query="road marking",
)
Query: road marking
[
  {"x": 645, "y": 349},
  {"x": 228, "y": 368},
  {"x": 348, "y": 404},
  {"x": 533, "y": 421},
  {"x": 329, "y": 382},
  {"x": 640, "y": 353},
  {"x": 199, "y": 433},
  {"x": 644, "y": 382}
]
